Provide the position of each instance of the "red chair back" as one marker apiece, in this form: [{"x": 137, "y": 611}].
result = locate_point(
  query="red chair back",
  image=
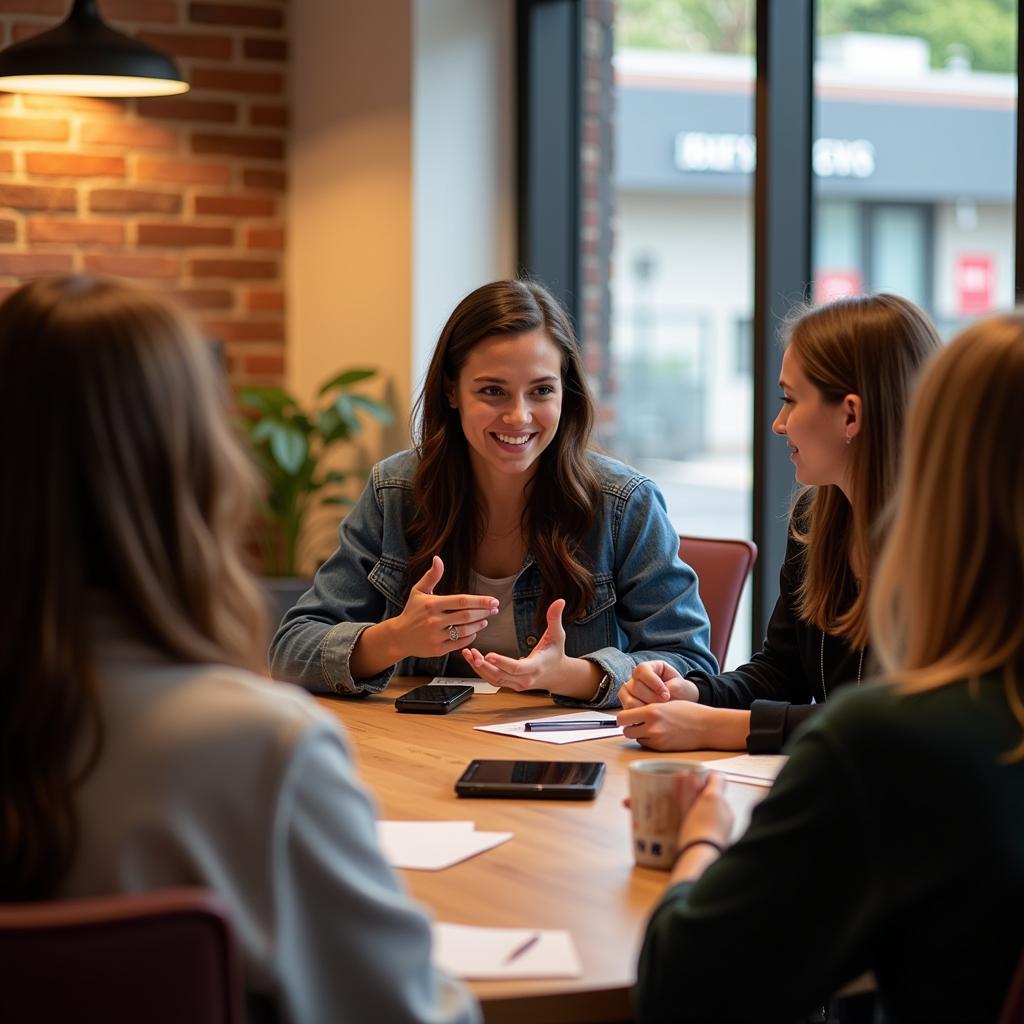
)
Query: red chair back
[
  {"x": 1013, "y": 1007},
  {"x": 722, "y": 567},
  {"x": 163, "y": 957}
]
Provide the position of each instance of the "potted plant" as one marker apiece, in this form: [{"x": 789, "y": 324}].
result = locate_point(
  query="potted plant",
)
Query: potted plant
[{"x": 289, "y": 443}]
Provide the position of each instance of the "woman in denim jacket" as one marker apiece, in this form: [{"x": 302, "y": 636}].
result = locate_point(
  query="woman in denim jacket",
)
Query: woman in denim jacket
[{"x": 500, "y": 523}]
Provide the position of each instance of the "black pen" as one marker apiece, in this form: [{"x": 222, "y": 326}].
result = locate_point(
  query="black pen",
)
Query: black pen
[
  {"x": 547, "y": 723},
  {"x": 520, "y": 950}
]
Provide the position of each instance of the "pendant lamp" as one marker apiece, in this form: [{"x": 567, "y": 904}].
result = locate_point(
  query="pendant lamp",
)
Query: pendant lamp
[{"x": 83, "y": 56}]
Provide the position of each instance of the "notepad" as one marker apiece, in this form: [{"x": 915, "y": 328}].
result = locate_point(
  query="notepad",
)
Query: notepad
[
  {"x": 472, "y": 953},
  {"x": 479, "y": 685},
  {"x": 518, "y": 729},
  {"x": 752, "y": 769},
  {"x": 434, "y": 845}
]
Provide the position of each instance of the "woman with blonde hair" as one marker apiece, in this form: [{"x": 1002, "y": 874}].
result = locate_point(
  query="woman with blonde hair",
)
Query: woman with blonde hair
[
  {"x": 139, "y": 745},
  {"x": 847, "y": 374},
  {"x": 893, "y": 839}
]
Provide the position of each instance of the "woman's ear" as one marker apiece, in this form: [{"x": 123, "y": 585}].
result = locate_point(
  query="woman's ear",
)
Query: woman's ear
[{"x": 854, "y": 410}]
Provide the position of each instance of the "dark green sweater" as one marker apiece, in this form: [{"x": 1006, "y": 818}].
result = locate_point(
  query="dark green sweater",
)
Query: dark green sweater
[{"x": 893, "y": 841}]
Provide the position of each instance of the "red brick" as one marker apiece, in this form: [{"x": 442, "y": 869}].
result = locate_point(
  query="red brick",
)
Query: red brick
[
  {"x": 55, "y": 7},
  {"x": 237, "y": 81},
  {"x": 239, "y": 145},
  {"x": 70, "y": 165},
  {"x": 257, "y": 177},
  {"x": 244, "y": 330},
  {"x": 271, "y": 299},
  {"x": 187, "y": 45},
  {"x": 205, "y": 298},
  {"x": 44, "y": 128},
  {"x": 37, "y": 197},
  {"x": 236, "y": 206},
  {"x": 87, "y": 104},
  {"x": 136, "y": 134},
  {"x": 26, "y": 30},
  {"x": 190, "y": 172},
  {"x": 21, "y": 264},
  {"x": 276, "y": 117},
  {"x": 178, "y": 108},
  {"x": 265, "y": 49},
  {"x": 233, "y": 268},
  {"x": 6, "y": 161},
  {"x": 8, "y": 230},
  {"x": 231, "y": 14},
  {"x": 165, "y": 11},
  {"x": 130, "y": 200},
  {"x": 264, "y": 238},
  {"x": 132, "y": 266},
  {"x": 184, "y": 234},
  {"x": 260, "y": 364},
  {"x": 49, "y": 230}
]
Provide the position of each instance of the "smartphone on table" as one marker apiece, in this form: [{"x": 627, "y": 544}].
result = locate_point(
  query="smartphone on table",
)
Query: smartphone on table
[
  {"x": 536, "y": 780},
  {"x": 434, "y": 700}
]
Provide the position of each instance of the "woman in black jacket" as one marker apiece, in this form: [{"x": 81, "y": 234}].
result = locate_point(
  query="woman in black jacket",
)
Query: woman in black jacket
[{"x": 847, "y": 373}]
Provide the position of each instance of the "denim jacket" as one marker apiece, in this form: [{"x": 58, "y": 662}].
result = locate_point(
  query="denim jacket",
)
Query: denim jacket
[{"x": 645, "y": 606}]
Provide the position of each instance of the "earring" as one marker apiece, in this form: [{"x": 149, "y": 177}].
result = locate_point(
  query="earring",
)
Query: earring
[{"x": 849, "y": 438}]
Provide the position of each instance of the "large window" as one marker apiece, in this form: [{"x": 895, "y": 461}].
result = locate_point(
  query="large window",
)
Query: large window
[{"x": 680, "y": 404}]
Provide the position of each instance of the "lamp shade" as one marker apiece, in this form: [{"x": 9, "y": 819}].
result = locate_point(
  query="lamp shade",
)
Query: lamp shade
[{"x": 83, "y": 56}]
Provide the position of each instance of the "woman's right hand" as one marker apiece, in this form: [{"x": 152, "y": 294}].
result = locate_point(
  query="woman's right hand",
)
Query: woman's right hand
[
  {"x": 423, "y": 630},
  {"x": 654, "y": 682}
]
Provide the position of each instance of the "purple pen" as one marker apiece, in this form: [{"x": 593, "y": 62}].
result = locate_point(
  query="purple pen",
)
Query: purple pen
[
  {"x": 579, "y": 723},
  {"x": 520, "y": 950}
]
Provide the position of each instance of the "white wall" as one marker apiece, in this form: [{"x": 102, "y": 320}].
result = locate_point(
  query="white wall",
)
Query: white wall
[{"x": 463, "y": 158}]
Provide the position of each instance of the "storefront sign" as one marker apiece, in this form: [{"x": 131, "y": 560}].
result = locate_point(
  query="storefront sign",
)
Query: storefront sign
[{"x": 732, "y": 153}]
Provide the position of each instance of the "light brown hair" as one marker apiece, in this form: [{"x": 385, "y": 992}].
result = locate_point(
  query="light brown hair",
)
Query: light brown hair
[
  {"x": 948, "y": 598},
  {"x": 872, "y": 346},
  {"x": 122, "y": 485},
  {"x": 563, "y": 498}
]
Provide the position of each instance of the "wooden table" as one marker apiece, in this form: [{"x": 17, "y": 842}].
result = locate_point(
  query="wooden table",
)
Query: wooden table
[{"x": 569, "y": 864}]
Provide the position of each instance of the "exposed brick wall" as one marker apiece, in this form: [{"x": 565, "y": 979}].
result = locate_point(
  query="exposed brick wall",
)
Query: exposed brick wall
[
  {"x": 597, "y": 203},
  {"x": 182, "y": 192}
]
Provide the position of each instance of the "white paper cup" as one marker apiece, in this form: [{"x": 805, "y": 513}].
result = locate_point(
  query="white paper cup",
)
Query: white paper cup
[{"x": 656, "y": 814}]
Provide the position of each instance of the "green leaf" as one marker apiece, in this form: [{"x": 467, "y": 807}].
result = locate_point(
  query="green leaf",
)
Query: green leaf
[
  {"x": 289, "y": 447},
  {"x": 347, "y": 414},
  {"x": 268, "y": 401},
  {"x": 377, "y": 410},
  {"x": 347, "y": 378}
]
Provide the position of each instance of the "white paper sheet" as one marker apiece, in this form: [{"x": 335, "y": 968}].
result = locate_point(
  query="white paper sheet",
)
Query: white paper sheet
[
  {"x": 479, "y": 685},
  {"x": 752, "y": 769},
  {"x": 553, "y": 735},
  {"x": 433, "y": 845},
  {"x": 477, "y": 953}
]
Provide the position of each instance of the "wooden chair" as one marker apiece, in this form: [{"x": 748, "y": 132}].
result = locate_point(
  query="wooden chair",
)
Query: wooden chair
[
  {"x": 163, "y": 957},
  {"x": 722, "y": 567}
]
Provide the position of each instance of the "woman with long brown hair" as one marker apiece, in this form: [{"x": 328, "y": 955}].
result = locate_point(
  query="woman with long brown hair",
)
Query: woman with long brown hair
[
  {"x": 847, "y": 374},
  {"x": 893, "y": 840},
  {"x": 502, "y": 523},
  {"x": 139, "y": 745}
]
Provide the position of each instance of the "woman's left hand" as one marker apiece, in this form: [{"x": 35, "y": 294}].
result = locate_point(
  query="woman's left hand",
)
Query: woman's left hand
[{"x": 547, "y": 667}]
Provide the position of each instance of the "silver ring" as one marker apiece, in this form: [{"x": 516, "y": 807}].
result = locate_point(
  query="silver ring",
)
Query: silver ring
[{"x": 453, "y": 632}]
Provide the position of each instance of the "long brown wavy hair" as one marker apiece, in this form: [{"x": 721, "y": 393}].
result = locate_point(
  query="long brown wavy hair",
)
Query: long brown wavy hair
[
  {"x": 563, "y": 497},
  {"x": 873, "y": 346},
  {"x": 123, "y": 486},
  {"x": 948, "y": 599}
]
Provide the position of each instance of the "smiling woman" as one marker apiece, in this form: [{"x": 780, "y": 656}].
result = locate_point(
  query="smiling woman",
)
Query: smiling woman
[{"x": 500, "y": 523}]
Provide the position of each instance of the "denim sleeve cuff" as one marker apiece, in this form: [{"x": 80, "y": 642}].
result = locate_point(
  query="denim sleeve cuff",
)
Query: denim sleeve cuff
[
  {"x": 617, "y": 668},
  {"x": 335, "y": 653},
  {"x": 767, "y": 726}
]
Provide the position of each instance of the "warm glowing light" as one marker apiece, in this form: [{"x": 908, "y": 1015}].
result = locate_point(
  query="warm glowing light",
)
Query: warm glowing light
[{"x": 92, "y": 85}]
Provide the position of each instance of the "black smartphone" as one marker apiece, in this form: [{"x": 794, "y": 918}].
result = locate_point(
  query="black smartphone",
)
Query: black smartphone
[
  {"x": 538, "y": 780},
  {"x": 434, "y": 700}
]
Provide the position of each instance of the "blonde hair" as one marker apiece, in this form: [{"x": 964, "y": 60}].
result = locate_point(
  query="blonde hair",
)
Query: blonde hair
[
  {"x": 121, "y": 479},
  {"x": 949, "y": 591},
  {"x": 871, "y": 346}
]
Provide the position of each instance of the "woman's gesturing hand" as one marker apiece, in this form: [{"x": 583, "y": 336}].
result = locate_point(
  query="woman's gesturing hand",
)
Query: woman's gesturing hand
[
  {"x": 433, "y": 625},
  {"x": 654, "y": 682},
  {"x": 547, "y": 667}
]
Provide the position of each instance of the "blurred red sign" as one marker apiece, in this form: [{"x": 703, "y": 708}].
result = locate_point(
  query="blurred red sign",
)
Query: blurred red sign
[
  {"x": 974, "y": 281},
  {"x": 836, "y": 284}
]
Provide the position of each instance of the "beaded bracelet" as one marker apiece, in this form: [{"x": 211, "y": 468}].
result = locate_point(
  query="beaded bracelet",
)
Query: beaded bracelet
[{"x": 697, "y": 842}]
